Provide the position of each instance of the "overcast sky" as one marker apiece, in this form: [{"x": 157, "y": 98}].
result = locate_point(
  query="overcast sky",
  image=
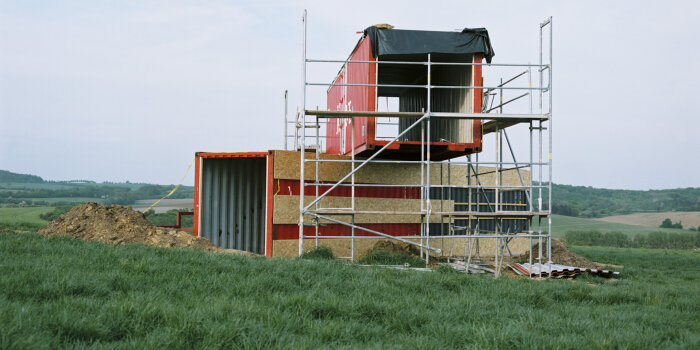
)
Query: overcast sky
[{"x": 129, "y": 90}]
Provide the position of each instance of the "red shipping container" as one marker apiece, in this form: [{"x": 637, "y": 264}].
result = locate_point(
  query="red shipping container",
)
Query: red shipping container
[{"x": 449, "y": 137}]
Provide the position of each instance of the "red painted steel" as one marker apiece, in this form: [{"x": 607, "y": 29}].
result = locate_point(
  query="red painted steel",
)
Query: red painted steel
[
  {"x": 178, "y": 222},
  {"x": 197, "y": 160},
  {"x": 231, "y": 154},
  {"x": 353, "y": 98},
  {"x": 364, "y": 98},
  {"x": 291, "y": 231},
  {"x": 269, "y": 190},
  {"x": 291, "y": 188}
]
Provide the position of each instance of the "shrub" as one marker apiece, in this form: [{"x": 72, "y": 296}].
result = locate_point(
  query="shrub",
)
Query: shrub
[
  {"x": 657, "y": 240},
  {"x": 56, "y": 212},
  {"x": 319, "y": 253}
]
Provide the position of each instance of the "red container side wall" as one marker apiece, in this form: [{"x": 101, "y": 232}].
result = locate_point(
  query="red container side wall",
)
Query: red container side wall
[{"x": 353, "y": 98}]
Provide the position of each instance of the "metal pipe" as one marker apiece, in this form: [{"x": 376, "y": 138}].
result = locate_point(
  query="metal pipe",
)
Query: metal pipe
[
  {"x": 445, "y": 236},
  {"x": 361, "y": 165},
  {"x": 434, "y": 63},
  {"x": 375, "y": 232},
  {"x": 427, "y": 158},
  {"x": 467, "y": 87},
  {"x": 549, "y": 207},
  {"x": 507, "y": 102},
  {"x": 387, "y": 161},
  {"x": 303, "y": 138},
  {"x": 285, "y": 119}
]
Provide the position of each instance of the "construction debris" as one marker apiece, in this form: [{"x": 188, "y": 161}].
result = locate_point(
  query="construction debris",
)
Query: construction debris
[
  {"x": 115, "y": 224},
  {"x": 557, "y": 271}
]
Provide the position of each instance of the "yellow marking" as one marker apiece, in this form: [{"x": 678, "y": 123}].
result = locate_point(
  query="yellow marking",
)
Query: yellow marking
[
  {"x": 550, "y": 156},
  {"x": 174, "y": 189}
]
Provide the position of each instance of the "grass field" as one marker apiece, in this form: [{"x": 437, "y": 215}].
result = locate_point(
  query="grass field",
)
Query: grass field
[
  {"x": 29, "y": 215},
  {"x": 561, "y": 224},
  {"x": 687, "y": 218},
  {"x": 142, "y": 297}
]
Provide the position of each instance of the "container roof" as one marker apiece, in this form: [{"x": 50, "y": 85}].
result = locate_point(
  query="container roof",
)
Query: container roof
[{"x": 399, "y": 44}]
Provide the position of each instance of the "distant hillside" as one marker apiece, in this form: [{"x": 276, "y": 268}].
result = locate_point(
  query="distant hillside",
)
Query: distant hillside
[
  {"x": 19, "y": 190},
  {"x": 8, "y": 176},
  {"x": 592, "y": 202}
]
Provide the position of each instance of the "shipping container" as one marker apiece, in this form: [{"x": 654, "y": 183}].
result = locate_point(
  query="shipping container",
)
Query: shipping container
[
  {"x": 449, "y": 137},
  {"x": 250, "y": 200}
]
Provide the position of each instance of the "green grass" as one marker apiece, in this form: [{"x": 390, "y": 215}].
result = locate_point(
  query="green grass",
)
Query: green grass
[
  {"x": 142, "y": 297},
  {"x": 29, "y": 215},
  {"x": 561, "y": 224}
]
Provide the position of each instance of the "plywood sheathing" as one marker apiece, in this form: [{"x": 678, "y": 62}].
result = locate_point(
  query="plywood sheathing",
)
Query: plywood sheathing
[
  {"x": 449, "y": 246},
  {"x": 286, "y": 209},
  {"x": 287, "y": 167}
]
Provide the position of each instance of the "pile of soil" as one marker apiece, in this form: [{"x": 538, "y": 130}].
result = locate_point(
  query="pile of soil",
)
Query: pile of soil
[
  {"x": 397, "y": 247},
  {"x": 115, "y": 224},
  {"x": 563, "y": 256}
]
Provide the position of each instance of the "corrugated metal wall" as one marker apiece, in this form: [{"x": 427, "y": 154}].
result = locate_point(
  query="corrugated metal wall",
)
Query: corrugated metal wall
[
  {"x": 443, "y": 100},
  {"x": 233, "y": 203}
]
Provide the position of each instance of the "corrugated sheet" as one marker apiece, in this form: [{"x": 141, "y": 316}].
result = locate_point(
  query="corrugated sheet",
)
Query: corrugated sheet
[
  {"x": 443, "y": 100},
  {"x": 233, "y": 203},
  {"x": 556, "y": 270}
]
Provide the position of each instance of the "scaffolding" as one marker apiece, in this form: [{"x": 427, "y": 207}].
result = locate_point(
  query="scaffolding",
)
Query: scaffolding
[{"x": 495, "y": 121}]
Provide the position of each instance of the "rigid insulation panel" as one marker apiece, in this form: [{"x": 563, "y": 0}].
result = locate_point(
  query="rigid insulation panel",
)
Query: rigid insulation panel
[{"x": 231, "y": 201}]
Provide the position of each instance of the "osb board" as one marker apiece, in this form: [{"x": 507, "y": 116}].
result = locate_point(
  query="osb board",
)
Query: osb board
[
  {"x": 286, "y": 209},
  {"x": 449, "y": 246},
  {"x": 287, "y": 167}
]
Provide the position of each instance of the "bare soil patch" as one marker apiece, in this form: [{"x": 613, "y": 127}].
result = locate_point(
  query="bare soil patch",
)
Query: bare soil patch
[{"x": 115, "y": 224}]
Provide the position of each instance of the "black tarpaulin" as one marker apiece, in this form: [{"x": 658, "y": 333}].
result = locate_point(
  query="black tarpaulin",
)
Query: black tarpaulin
[{"x": 390, "y": 44}]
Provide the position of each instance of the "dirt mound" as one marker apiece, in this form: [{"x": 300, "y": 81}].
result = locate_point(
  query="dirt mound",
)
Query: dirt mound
[
  {"x": 396, "y": 247},
  {"x": 115, "y": 224},
  {"x": 563, "y": 256}
]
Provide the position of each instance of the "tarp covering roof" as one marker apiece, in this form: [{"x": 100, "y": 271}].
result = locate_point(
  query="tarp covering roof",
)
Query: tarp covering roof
[{"x": 393, "y": 43}]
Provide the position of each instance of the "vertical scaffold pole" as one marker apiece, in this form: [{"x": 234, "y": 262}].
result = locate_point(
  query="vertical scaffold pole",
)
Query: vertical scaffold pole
[
  {"x": 549, "y": 206},
  {"x": 303, "y": 139},
  {"x": 427, "y": 173},
  {"x": 285, "y": 119}
]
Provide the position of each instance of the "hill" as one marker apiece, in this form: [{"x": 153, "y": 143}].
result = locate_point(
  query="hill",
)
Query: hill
[
  {"x": 31, "y": 190},
  {"x": 582, "y": 201},
  {"x": 8, "y": 176}
]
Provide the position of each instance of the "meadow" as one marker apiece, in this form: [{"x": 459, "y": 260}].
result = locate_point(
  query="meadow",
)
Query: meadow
[
  {"x": 561, "y": 224},
  {"x": 64, "y": 293}
]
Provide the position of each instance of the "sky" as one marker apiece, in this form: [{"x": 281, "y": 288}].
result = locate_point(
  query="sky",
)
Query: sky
[{"x": 130, "y": 90}]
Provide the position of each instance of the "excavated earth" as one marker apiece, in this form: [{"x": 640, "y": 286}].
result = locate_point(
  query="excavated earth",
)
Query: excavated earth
[
  {"x": 115, "y": 224},
  {"x": 563, "y": 256}
]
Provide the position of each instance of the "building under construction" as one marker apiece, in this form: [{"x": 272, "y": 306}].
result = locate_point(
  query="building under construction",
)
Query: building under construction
[{"x": 452, "y": 165}]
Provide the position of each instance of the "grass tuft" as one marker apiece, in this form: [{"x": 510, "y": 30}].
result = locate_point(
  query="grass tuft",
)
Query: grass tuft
[
  {"x": 318, "y": 253},
  {"x": 378, "y": 256}
]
